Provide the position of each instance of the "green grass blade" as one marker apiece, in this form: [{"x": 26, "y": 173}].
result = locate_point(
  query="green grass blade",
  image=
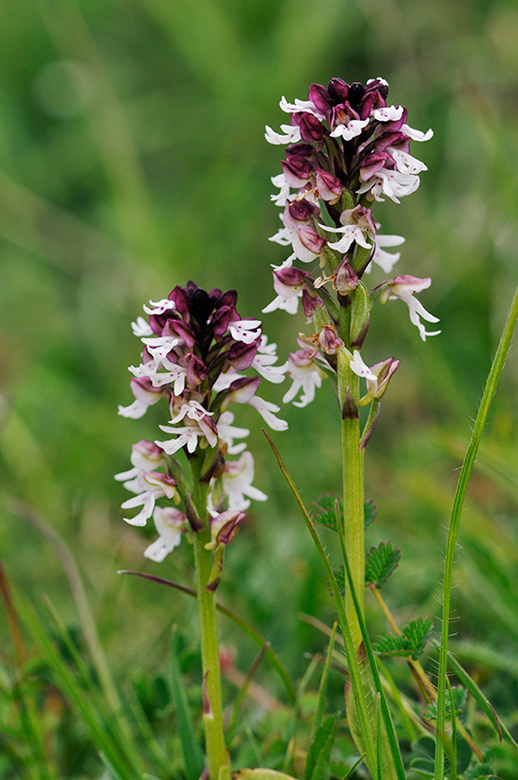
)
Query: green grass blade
[
  {"x": 458, "y": 502},
  {"x": 191, "y": 751},
  {"x": 470, "y": 684},
  {"x": 319, "y": 712},
  {"x": 95, "y": 719}
]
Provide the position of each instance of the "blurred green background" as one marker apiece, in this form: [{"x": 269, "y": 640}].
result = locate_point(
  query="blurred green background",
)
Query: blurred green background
[{"x": 132, "y": 158}]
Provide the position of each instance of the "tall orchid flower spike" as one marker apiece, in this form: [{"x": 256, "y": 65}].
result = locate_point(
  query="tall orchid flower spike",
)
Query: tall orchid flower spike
[
  {"x": 347, "y": 148},
  {"x": 353, "y": 150}
]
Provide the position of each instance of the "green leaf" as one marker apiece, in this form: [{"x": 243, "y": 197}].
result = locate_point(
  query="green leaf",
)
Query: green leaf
[
  {"x": 319, "y": 755},
  {"x": 359, "y": 301},
  {"x": 370, "y": 511},
  {"x": 410, "y": 643},
  {"x": 327, "y": 514},
  {"x": 381, "y": 562},
  {"x": 480, "y": 771},
  {"x": 340, "y": 579},
  {"x": 326, "y": 517},
  {"x": 192, "y": 755},
  {"x": 459, "y": 695},
  {"x": 417, "y": 632}
]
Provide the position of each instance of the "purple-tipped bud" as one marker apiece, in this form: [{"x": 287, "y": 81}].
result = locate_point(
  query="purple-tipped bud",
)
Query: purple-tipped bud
[
  {"x": 310, "y": 302},
  {"x": 196, "y": 370},
  {"x": 224, "y": 527},
  {"x": 144, "y": 391},
  {"x": 328, "y": 186},
  {"x": 301, "y": 149},
  {"x": 311, "y": 129},
  {"x": 319, "y": 96},
  {"x": 346, "y": 278},
  {"x": 371, "y": 164},
  {"x": 297, "y": 171},
  {"x": 307, "y": 243},
  {"x": 383, "y": 372},
  {"x": 328, "y": 339},
  {"x": 338, "y": 91},
  {"x": 221, "y": 319},
  {"x": 241, "y": 355},
  {"x": 297, "y": 211}
]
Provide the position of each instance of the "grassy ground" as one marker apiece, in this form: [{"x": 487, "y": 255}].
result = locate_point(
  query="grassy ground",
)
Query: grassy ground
[{"x": 132, "y": 159}]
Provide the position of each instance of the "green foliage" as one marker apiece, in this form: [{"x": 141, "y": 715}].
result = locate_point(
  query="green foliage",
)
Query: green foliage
[
  {"x": 381, "y": 562},
  {"x": 480, "y": 771},
  {"x": 192, "y": 755},
  {"x": 459, "y": 696},
  {"x": 318, "y": 760},
  {"x": 326, "y": 516},
  {"x": 410, "y": 643},
  {"x": 162, "y": 174}
]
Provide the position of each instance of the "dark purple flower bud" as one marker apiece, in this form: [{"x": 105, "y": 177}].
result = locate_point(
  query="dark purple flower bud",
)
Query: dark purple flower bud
[
  {"x": 328, "y": 339},
  {"x": 372, "y": 163},
  {"x": 181, "y": 301},
  {"x": 310, "y": 303},
  {"x": 395, "y": 139},
  {"x": 305, "y": 150},
  {"x": 345, "y": 278},
  {"x": 311, "y": 129},
  {"x": 224, "y": 527},
  {"x": 241, "y": 355},
  {"x": 196, "y": 370},
  {"x": 228, "y": 298},
  {"x": 297, "y": 170},
  {"x": 221, "y": 319},
  {"x": 369, "y": 103},
  {"x": 338, "y": 91},
  {"x": 297, "y": 211},
  {"x": 378, "y": 85},
  {"x": 328, "y": 186},
  {"x": 320, "y": 98},
  {"x": 355, "y": 94},
  {"x": 241, "y": 391}
]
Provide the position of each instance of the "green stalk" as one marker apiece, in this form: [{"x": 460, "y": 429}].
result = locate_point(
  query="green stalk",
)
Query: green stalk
[
  {"x": 217, "y": 755},
  {"x": 458, "y": 502},
  {"x": 353, "y": 534}
]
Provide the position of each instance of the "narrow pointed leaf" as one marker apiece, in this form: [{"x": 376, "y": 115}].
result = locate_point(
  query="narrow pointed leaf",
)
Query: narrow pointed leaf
[{"x": 191, "y": 751}]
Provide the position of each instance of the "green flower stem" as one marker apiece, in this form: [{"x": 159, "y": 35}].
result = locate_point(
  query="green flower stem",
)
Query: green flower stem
[
  {"x": 353, "y": 531},
  {"x": 217, "y": 755}
]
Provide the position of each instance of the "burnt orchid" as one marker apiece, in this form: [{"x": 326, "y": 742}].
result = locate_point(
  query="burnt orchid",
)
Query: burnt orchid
[
  {"x": 347, "y": 149},
  {"x": 199, "y": 357},
  {"x": 195, "y": 348}
]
